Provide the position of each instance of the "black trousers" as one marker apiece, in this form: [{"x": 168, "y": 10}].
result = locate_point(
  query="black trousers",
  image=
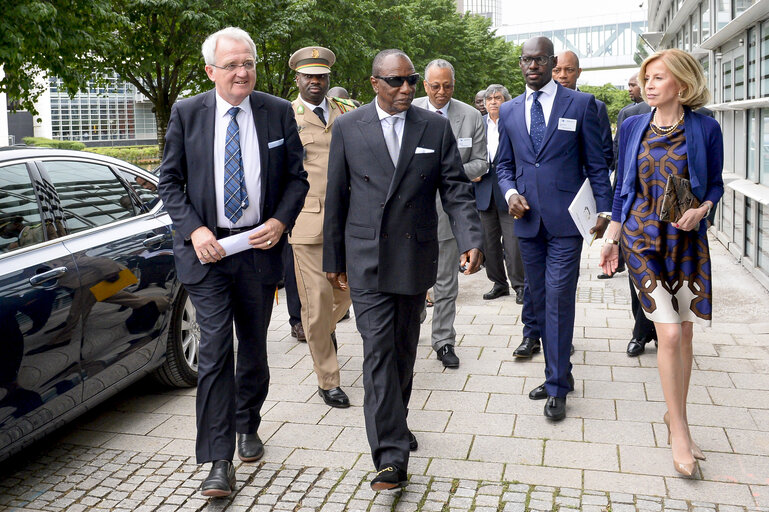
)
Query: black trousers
[
  {"x": 229, "y": 401},
  {"x": 501, "y": 249},
  {"x": 643, "y": 328},
  {"x": 389, "y": 326},
  {"x": 293, "y": 303}
]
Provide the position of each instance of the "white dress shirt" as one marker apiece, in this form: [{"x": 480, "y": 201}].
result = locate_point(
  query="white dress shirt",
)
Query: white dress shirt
[
  {"x": 444, "y": 109},
  {"x": 546, "y": 99},
  {"x": 492, "y": 137},
  {"x": 249, "y": 151},
  {"x": 398, "y": 124},
  {"x": 323, "y": 105}
]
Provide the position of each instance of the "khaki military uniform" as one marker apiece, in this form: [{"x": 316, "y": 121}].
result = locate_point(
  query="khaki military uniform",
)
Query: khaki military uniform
[{"x": 322, "y": 305}]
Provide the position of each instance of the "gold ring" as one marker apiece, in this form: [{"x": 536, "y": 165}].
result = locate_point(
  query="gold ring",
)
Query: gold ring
[
  {"x": 515, "y": 217},
  {"x": 269, "y": 242}
]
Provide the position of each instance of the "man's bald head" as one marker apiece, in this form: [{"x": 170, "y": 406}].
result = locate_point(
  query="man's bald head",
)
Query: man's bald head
[
  {"x": 567, "y": 71},
  {"x": 634, "y": 89}
]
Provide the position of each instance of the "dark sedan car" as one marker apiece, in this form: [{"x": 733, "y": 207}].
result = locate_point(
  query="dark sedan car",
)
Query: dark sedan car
[{"x": 89, "y": 300}]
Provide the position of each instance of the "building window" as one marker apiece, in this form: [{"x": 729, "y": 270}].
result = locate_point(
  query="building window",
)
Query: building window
[
  {"x": 749, "y": 225},
  {"x": 727, "y": 74},
  {"x": 687, "y": 35},
  {"x": 723, "y": 13},
  {"x": 695, "y": 21},
  {"x": 741, "y": 6},
  {"x": 705, "y": 20},
  {"x": 705, "y": 63},
  {"x": 763, "y": 176},
  {"x": 752, "y": 167},
  {"x": 752, "y": 42},
  {"x": 727, "y": 213},
  {"x": 765, "y": 58},
  {"x": 739, "y": 78},
  {"x": 762, "y": 254}
]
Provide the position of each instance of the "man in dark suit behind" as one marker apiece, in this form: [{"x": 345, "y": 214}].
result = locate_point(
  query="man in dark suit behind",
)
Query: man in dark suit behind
[
  {"x": 549, "y": 141},
  {"x": 387, "y": 160},
  {"x": 232, "y": 161}
]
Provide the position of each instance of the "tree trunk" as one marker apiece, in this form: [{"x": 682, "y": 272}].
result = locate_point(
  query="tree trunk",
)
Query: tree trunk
[{"x": 162, "y": 116}]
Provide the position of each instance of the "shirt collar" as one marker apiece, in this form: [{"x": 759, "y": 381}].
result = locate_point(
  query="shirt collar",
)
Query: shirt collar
[
  {"x": 444, "y": 108},
  {"x": 547, "y": 90},
  {"x": 323, "y": 104},
  {"x": 382, "y": 114},
  {"x": 222, "y": 106}
]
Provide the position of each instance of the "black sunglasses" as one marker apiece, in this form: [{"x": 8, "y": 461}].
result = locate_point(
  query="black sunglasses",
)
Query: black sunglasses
[{"x": 397, "y": 81}]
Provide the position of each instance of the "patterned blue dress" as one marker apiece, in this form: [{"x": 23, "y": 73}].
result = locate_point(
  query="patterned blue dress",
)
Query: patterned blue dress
[{"x": 669, "y": 267}]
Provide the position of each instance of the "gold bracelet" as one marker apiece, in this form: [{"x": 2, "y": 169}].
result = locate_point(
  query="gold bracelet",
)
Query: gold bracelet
[{"x": 612, "y": 241}]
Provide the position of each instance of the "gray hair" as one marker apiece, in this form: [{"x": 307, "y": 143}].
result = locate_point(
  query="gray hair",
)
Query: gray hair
[
  {"x": 441, "y": 64},
  {"x": 376, "y": 65},
  {"x": 498, "y": 88},
  {"x": 235, "y": 33}
]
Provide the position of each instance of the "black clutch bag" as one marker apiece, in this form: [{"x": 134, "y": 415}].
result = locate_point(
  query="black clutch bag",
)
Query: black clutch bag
[{"x": 678, "y": 198}]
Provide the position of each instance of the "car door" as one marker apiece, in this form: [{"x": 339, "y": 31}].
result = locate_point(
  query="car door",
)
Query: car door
[
  {"x": 39, "y": 345},
  {"x": 126, "y": 277}
]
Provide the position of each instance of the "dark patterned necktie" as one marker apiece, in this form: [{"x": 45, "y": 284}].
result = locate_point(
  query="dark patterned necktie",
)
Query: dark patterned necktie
[
  {"x": 537, "y": 128},
  {"x": 319, "y": 112},
  {"x": 235, "y": 196}
]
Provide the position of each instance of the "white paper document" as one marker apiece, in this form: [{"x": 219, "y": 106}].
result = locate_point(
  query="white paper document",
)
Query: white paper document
[
  {"x": 583, "y": 212},
  {"x": 237, "y": 243}
]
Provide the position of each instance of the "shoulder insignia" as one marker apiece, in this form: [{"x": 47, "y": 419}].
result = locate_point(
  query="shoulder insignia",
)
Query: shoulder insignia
[{"x": 344, "y": 105}]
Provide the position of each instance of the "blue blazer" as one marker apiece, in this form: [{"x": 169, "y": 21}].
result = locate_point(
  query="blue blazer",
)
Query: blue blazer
[
  {"x": 704, "y": 152},
  {"x": 487, "y": 191},
  {"x": 550, "y": 178}
]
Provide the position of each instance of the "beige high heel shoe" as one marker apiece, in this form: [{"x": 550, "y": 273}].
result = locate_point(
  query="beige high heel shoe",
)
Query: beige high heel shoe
[
  {"x": 696, "y": 452},
  {"x": 684, "y": 468}
]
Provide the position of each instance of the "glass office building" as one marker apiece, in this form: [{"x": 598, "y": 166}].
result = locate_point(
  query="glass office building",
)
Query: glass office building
[
  {"x": 731, "y": 40},
  {"x": 108, "y": 112},
  {"x": 491, "y": 9}
]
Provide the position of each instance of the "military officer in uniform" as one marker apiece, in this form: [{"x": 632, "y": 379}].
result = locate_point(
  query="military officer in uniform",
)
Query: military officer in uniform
[{"x": 322, "y": 305}]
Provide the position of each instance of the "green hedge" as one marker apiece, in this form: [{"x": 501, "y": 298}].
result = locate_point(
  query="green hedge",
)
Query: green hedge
[
  {"x": 42, "y": 142},
  {"x": 138, "y": 155}
]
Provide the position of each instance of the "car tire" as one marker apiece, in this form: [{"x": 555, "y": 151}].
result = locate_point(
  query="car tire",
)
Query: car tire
[{"x": 181, "y": 366}]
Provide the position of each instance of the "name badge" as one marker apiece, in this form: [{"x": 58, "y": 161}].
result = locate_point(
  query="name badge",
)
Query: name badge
[
  {"x": 464, "y": 142},
  {"x": 570, "y": 125}
]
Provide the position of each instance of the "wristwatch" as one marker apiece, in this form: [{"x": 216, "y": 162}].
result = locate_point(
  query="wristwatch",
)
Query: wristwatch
[{"x": 612, "y": 241}]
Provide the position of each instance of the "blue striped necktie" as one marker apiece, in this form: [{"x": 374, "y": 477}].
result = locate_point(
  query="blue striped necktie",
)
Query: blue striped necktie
[
  {"x": 537, "y": 128},
  {"x": 235, "y": 196}
]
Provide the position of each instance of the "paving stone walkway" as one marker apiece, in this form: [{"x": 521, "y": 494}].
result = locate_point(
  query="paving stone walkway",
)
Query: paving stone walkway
[{"x": 484, "y": 446}]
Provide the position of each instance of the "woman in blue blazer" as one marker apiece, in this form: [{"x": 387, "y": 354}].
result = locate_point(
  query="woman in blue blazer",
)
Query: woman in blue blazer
[{"x": 669, "y": 262}]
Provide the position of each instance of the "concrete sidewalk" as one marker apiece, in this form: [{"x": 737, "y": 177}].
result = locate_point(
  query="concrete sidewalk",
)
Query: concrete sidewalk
[{"x": 482, "y": 443}]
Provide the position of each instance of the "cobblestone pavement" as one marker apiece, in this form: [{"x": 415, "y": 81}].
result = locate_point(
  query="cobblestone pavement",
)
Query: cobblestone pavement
[{"x": 484, "y": 446}]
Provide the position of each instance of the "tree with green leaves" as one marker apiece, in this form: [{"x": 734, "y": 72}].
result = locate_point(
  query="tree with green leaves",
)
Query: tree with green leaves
[{"x": 614, "y": 98}]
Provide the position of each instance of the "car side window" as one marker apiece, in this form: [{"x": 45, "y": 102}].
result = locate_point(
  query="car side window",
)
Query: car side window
[
  {"x": 90, "y": 194},
  {"x": 145, "y": 190},
  {"x": 20, "y": 222}
]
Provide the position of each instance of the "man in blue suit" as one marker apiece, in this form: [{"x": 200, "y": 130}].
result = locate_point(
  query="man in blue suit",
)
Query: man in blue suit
[{"x": 549, "y": 142}]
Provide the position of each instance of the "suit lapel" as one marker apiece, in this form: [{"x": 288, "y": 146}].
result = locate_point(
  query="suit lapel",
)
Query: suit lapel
[
  {"x": 631, "y": 164},
  {"x": 455, "y": 117},
  {"x": 259, "y": 113},
  {"x": 333, "y": 112},
  {"x": 207, "y": 153},
  {"x": 519, "y": 118},
  {"x": 371, "y": 130},
  {"x": 413, "y": 128},
  {"x": 560, "y": 104}
]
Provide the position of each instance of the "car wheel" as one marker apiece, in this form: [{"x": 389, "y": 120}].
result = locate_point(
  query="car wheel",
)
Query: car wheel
[{"x": 181, "y": 366}]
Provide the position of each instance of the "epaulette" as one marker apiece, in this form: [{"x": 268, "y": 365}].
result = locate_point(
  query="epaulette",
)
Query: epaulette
[{"x": 344, "y": 105}]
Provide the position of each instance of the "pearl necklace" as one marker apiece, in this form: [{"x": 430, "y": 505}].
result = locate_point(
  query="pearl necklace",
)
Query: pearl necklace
[{"x": 664, "y": 131}]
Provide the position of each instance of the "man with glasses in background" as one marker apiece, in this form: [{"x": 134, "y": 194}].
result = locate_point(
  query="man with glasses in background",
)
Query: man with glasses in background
[
  {"x": 232, "y": 161},
  {"x": 549, "y": 141},
  {"x": 386, "y": 163},
  {"x": 467, "y": 127}
]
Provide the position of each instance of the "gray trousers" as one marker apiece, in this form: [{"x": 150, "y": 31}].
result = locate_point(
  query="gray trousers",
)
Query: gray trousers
[
  {"x": 445, "y": 291},
  {"x": 499, "y": 232}
]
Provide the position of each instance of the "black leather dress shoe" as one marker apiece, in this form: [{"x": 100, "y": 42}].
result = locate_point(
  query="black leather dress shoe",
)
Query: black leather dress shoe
[
  {"x": 637, "y": 346},
  {"x": 447, "y": 356},
  {"x": 539, "y": 393},
  {"x": 250, "y": 447},
  {"x": 519, "y": 295},
  {"x": 413, "y": 444},
  {"x": 297, "y": 331},
  {"x": 604, "y": 275},
  {"x": 389, "y": 477},
  {"x": 335, "y": 397},
  {"x": 496, "y": 292},
  {"x": 527, "y": 347},
  {"x": 220, "y": 481},
  {"x": 555, "y": 408}
]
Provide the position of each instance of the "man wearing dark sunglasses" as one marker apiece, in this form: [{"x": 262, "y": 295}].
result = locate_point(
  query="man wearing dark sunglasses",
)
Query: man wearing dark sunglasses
[{"x": 387, "y": 161}]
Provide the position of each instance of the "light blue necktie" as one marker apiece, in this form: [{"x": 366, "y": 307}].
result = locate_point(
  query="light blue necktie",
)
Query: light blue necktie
[
  {"x": 235, "y": 196},
  {"x": 537, "y": 128}
]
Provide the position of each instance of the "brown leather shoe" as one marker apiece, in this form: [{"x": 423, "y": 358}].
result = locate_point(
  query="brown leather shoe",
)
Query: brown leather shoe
[{"x": 297, "y": 331}]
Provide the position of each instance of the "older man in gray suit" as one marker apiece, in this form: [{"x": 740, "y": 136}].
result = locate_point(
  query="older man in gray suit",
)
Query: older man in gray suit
[
  {"x": 467, "y": 127},
  {"x": 387, "y": 160}
]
